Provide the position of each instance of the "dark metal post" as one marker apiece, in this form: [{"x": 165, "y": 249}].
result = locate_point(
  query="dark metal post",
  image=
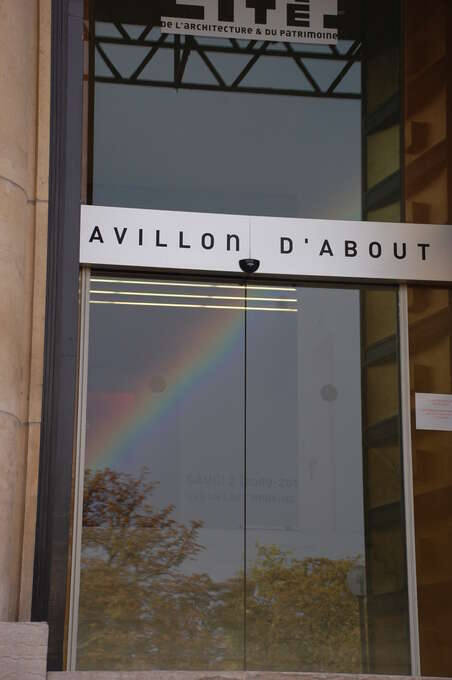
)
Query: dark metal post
[{"x": 61, "y": 332}]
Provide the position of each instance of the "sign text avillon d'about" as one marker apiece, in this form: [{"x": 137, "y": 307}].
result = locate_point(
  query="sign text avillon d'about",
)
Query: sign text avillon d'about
[{"x": 159, "y": 239}]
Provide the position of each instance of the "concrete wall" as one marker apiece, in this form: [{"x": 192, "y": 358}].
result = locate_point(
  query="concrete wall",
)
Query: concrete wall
[{"x": 24, "y": 153}]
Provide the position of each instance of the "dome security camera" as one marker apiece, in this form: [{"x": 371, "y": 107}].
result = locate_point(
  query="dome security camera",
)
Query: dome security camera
[{"x": 249, "y": 265}]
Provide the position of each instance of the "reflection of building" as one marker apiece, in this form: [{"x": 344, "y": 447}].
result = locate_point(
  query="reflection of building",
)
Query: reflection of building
[{"x": 357, "y": 131}]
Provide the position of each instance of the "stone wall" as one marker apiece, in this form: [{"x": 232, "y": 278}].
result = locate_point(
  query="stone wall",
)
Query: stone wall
[
  {"x": 23, "y": 651},
  {"x": 24, "y": 160}
]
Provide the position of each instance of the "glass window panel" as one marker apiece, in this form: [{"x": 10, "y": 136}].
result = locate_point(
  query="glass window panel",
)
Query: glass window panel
[
  {"x": 275, "y": 157},
  {"x": 207, "y": 147}
]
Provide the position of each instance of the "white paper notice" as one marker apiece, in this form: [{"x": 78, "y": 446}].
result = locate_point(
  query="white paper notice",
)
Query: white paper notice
[{"x": 433, "y": 411}]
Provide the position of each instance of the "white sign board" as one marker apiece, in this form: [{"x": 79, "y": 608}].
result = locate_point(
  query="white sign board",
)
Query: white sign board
[
  {"x": 161, "y": 239},
  {"x": 434, "y": 411},
  {"x": 299, "y": 21}
]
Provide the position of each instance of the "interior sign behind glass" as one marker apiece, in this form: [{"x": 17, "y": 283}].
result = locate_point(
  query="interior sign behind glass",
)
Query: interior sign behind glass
[
  {"x": 164, "y": 239},
  {"x": 299, "y": 21}
]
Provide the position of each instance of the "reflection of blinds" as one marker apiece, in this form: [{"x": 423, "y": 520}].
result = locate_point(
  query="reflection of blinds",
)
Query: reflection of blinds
[{"x": 136, "y": 293}]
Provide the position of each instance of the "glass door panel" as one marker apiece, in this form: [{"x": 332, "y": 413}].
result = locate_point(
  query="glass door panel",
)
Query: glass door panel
[
  {"x": 163, "y": 501},
  {"x": 305, "y": 507}
]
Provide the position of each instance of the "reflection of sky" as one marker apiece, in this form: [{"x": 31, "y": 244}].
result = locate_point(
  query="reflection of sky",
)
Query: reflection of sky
[
  {"x": 227, "y": 152},
  {"x": 303, "y": 451}
]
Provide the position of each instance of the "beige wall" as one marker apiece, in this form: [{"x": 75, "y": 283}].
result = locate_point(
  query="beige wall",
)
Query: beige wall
[{"x": 24, "y": 147}]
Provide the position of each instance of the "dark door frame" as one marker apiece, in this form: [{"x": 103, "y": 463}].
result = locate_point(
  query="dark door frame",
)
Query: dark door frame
[{"x": 61, "y": 327}]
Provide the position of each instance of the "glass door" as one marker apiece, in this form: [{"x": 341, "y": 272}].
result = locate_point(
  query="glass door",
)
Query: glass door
[
  {"x": 242, "y": 484},
  {"x": 163, "y": 508},
  {"x": 305, "y": 492}
]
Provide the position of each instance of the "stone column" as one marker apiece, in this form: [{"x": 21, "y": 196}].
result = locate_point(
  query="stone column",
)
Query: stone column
[{"x": 24, "y": 122}]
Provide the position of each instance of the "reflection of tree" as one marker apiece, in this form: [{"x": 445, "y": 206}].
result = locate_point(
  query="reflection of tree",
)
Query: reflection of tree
[
  {"x": 131, "y": 556},
  {"x": 301, "y": 614},
  {"x": 139, "y": 610}
]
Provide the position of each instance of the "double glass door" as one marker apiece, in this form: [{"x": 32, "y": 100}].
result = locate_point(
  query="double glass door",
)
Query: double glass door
[{"x": 242, "y": 485}]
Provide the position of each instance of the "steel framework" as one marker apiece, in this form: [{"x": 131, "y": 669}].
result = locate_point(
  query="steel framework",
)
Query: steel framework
[{"x": 183, "y": 47}]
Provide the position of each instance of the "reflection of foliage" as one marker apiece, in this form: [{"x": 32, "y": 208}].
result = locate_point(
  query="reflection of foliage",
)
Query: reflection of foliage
[
  {"x": 139, "y": 610},
  {"x": 301, "y": 614},
  {"x": 131, "y": 556}
]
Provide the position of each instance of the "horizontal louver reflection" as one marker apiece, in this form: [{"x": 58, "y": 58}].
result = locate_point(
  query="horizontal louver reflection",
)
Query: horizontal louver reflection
[{"x": 143, "y": 293}]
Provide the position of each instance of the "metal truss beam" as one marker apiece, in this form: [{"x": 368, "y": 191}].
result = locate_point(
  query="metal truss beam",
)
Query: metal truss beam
[{"x": 183, "y": 47}]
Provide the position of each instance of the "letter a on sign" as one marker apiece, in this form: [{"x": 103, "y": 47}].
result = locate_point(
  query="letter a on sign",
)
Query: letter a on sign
[{"x": 96, "y": 236}]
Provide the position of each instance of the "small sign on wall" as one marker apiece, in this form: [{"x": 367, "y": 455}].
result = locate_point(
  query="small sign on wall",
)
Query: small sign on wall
[
  {"x": 434, "y": 411},
  {"x": 298, "y": 21}
]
